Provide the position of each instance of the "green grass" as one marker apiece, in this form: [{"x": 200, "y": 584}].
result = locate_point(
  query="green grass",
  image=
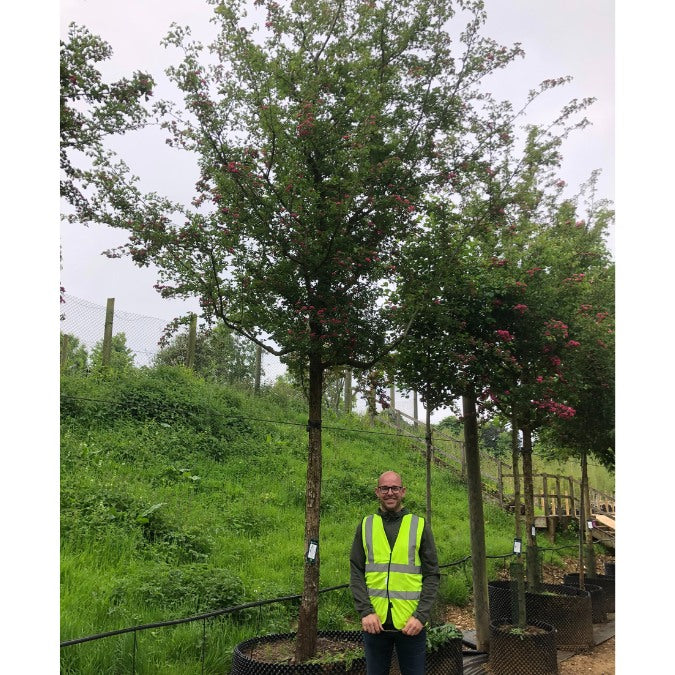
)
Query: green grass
[{"x": 178, "y": 500}]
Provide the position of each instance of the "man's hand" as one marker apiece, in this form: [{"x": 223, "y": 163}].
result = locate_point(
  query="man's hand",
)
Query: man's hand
[
  {"x": 371, "y": 623},
  {"x": 412, "y": 627}
]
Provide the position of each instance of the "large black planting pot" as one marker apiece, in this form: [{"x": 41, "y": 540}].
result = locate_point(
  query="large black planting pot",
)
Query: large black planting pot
[
  {"x": 602, "y": 580},
  {"x": 522, "y": 652},
  {"x": 567, "y": 608},
  {"x": 598, "y": 601},
  {"x": 446, "y": 660},
  {"x": 243, "y": 662}
]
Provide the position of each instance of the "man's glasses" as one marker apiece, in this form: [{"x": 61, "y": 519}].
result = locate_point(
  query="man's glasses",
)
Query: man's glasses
[{"x": 389, "y": 488}]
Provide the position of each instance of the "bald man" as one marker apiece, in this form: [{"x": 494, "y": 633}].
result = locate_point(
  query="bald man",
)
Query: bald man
[{"x": 394, "y": 578}]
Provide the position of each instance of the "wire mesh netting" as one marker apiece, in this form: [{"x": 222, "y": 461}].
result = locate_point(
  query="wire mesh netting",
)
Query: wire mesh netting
[
  {"x": 602, "y": 580},
  {"x": 250, "y": 656},
  {"x": 567, "y": 608},
  {"x": 598, "y": 602},
  {"x": 85, "y": 321},
  {"x": 531, "y": 652},
  {"x": 258, "y": 656}
]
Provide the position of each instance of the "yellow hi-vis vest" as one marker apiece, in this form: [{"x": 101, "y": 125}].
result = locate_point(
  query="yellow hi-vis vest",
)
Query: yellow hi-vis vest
[{"x": 393, "y": 576}]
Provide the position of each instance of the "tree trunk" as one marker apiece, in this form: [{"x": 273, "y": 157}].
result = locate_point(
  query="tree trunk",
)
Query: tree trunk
[
  {"x": 589, "y": 553},
  {"x": 348, "y": 391},
  {"x": 517, "y": 570},
  {"x": 258, "y": 370},
  {"x": 532, "y": 554},
  {"x": 306, "y": 639},
  {"x": 476, "y": 523},
  {"x": 192, "y": 342},
  {"x": 370, "y": 399},
  {"x": 515, "y": 452},
  {"x": 430, "y": 449}
]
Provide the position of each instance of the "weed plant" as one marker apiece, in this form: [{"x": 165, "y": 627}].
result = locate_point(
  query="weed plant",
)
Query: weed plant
[{"x": 181, "y": 497}]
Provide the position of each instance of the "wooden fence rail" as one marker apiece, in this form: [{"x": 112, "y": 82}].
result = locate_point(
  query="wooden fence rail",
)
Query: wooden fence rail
[{"x": 555, "y": 495}]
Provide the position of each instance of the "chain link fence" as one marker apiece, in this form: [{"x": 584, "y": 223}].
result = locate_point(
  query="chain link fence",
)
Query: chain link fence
[{"x": 85, "y": 320}]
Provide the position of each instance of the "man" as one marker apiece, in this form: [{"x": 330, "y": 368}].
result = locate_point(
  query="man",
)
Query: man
[{"x": 394, "y": 578}]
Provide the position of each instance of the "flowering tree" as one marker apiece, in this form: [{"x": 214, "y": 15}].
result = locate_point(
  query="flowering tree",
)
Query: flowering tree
[
  {"x": 318, "y": 134},
  {"x": 457, "y": 280},
  {"x": 544, "y": 280}
]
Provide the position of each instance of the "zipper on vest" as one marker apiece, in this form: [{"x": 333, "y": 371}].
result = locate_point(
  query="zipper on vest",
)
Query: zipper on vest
[{"x": 390, "y": 606}]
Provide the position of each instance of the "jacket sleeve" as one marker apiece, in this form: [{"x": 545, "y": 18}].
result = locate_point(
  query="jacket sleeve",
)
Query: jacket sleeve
[
  {"x": 357, "y": 576},
  {"x": 431, "y": 575}
]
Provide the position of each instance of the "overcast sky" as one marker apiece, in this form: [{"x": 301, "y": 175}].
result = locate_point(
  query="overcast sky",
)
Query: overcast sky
[{"x": 560, "y": 37}]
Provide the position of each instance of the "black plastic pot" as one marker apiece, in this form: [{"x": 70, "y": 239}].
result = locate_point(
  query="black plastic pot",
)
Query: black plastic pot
[
  {"x": 598, "y": 602},
  {"x": 243, "y": 662},
  {"x": 568, "y": 608},
  {"x": 602, "y": 580},
  {"x": 610, "y": 567},
  {"x": 522, "y": 653},
  {"x": 446, "y": 660}
]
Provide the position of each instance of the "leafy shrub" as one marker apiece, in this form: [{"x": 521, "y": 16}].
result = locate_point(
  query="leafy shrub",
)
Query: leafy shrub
[
  {"x": 437, "y": 636},
  {"x": 94, "y": 508},
  {"x": 168, "y": 395},
  {"x": 195, "y": 587}
]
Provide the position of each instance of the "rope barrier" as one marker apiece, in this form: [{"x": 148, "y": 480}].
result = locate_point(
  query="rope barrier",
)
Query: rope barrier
[{"x": 259, "y": 603}]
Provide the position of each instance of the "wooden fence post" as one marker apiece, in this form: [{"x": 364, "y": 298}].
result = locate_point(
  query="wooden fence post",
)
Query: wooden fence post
[
  {"x": 558, "y": 497},
  {"x": 258, "y": 369},
  {"x": 108, "y": 332},
  {"x": 550, "y": 521},
  {"x": 574, "y": 510},
  {"x": 192, "y": 342}
]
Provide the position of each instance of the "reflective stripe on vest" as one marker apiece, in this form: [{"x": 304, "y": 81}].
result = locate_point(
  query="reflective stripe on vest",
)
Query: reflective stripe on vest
[{"x": 393, "y": 576}]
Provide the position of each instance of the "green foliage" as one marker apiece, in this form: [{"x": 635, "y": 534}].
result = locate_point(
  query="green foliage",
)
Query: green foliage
[
  {"x": 453, "y": 589},
  {"x": 169, "y": 396},
  {"x": 121, "y": 356},
  {"x": 74, "y": 356},
  {"x": 91, "y": 109},
  {"x": 194, "y": 587},
  {"x": 437, "y": 636},
  {"x": 220, "y": 355}
]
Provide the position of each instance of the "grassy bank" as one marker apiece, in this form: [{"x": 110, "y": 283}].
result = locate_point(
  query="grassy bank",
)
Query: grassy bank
[{"x": 181, "y": 497}]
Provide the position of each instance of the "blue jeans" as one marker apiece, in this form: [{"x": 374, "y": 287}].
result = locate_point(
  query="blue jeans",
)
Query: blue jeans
[{"x": 410, "y": 651}]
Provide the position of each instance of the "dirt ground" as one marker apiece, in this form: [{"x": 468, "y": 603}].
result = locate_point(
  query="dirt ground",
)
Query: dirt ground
[{"x": 597, "y": 661}]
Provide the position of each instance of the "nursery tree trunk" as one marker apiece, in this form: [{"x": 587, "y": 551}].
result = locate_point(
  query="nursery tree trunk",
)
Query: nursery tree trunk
[
  {"x": 476, "y": 523},
  {"x": 532, "y": 554},
  {"x": 589, "y": 552},
  {"x": 430, "y": 448},
  {"x": 305, "y": 646},
  {"x": 515, "y": 451}
]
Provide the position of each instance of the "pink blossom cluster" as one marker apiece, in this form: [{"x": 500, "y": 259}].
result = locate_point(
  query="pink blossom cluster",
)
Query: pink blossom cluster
[
  {"x": 560, "y": 410},
  {"x": 504, "y": 335},
  {"x": 520, "y": 308},
  {"x": 554, "y": 326},
  {"x": 576, "y": 278}
]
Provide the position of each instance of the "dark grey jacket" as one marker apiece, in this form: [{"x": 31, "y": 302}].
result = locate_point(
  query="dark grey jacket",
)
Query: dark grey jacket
[{"x": 431, "y": 576}]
